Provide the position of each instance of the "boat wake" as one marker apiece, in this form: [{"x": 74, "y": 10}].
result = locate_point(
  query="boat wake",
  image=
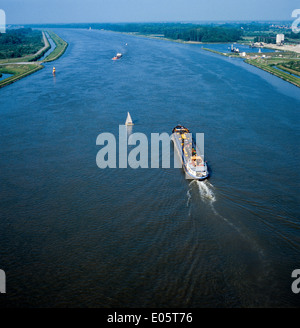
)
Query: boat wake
[
  {"x": 189, "y": 196},
  {"x": 206, "y": 190},
  {"x": 206, "y": 193}
]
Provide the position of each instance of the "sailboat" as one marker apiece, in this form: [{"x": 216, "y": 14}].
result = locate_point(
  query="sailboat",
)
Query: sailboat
[{"x": 128, "y": 120}]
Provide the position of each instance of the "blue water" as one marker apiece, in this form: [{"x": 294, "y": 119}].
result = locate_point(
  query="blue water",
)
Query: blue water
[
  {"x": 75, "y": 235},
  {"x": 5, "y": 76},
  {"x": 226, "y": 47}
]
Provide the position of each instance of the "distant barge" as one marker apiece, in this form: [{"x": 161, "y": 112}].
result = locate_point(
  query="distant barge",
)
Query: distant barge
[
  {"x": 118, "y": 56},
  {"x": 192, "y": 162}
]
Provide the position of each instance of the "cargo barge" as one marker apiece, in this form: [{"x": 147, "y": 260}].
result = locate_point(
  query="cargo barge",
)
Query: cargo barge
[{"x": 192, "y": 162}]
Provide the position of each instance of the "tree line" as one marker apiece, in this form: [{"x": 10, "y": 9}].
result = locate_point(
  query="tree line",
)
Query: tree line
[
  {"x": 20, "y": 42},
  {"x": 175, "y": 31},
  {"x": 185, "y": 32}
]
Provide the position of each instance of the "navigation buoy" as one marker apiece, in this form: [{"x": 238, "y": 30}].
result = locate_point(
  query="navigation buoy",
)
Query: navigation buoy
[{"x": 53, "y": 71}]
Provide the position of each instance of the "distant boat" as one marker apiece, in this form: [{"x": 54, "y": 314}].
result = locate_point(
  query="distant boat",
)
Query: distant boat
[
  {"x": 118, "y": 56},
  {"x": 128, "y": 120},
  {"x": 234, "y": 49}
]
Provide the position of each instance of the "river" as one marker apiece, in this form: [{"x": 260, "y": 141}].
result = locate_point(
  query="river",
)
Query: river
[{"x": 76, "y": 235}]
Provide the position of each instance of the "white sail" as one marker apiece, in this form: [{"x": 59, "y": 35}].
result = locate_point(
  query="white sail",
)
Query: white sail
[{"x": 128, "y": 120}]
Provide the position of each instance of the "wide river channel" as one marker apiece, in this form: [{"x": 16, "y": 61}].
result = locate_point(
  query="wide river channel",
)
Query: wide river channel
[{"x": 73, "y": 234}]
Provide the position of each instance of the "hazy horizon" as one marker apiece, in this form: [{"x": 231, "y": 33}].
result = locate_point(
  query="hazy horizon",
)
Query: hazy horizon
[
  {"x": 161, "y": 22},
  {"x": 143, "y": 11}
]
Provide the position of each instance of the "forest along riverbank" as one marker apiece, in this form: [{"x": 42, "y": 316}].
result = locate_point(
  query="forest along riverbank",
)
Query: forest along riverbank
[{"x": 19, "y": 68}]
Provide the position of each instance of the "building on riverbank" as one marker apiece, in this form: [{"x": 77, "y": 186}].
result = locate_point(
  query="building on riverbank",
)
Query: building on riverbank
[{"x": 279, "y": 39}]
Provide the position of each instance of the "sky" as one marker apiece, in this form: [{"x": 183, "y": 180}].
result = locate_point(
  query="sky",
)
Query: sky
[{"x": 98, "y": 11}]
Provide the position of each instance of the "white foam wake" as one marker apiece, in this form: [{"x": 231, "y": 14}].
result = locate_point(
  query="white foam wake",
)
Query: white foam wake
[
  {"x": 207, "y": 194},
  {"x": 189, "y": 196},
  {"x": 206, "y": 190}
]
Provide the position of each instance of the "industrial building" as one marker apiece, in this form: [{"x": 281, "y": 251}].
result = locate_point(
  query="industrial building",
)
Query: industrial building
[{"x": 279, "y": 39}]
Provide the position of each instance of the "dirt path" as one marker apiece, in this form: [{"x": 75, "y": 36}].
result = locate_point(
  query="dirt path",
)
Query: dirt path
[{"x": 46, "y": 42}]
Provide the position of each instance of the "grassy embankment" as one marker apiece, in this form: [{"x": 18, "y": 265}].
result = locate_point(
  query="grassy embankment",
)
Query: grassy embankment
[
  {"x": 270, "y": 66},
  {"x": 222, "y": 53},
  {"x": 61, "y": 47},
  {"x": 20, "y": 71},
  {"x": 291, "y": 71},
  {"x": 292, "y": 66}
]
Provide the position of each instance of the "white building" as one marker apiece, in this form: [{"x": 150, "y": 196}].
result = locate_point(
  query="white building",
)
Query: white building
[{"x": 279, "y": 38}]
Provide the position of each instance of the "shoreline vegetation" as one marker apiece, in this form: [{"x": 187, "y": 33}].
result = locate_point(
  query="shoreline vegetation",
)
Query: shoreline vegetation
[
  {"x": 23, "y": 66},
  {"x": 175, "y": 31},
  {"x": 286, "y": 76},
  {"x": 273, "y": 65},
  {"x": 18, "y": 71},
  {"x": 31, "y": 57},
  {"x": 61, "y": 47}
]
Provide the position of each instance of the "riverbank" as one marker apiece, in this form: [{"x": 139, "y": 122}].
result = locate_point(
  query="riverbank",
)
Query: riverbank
[
  {"x": 268, "y": 63},
  {"x": 24, "y": 66},
  {"x": 272, "y": 70},
  {"x": 221, "y": 53},
  {"x": 41, "y": 52},
  {"x": 61, "y": 47},
  {"x": 291, "y": 71},
  {"x": 29, "y": 58},
  {"x": 250, "y": 58},
  {"x": 160, "y": 37},
  {"x": 19, "y": 71},
  {"x": 293, "y": 48}
]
